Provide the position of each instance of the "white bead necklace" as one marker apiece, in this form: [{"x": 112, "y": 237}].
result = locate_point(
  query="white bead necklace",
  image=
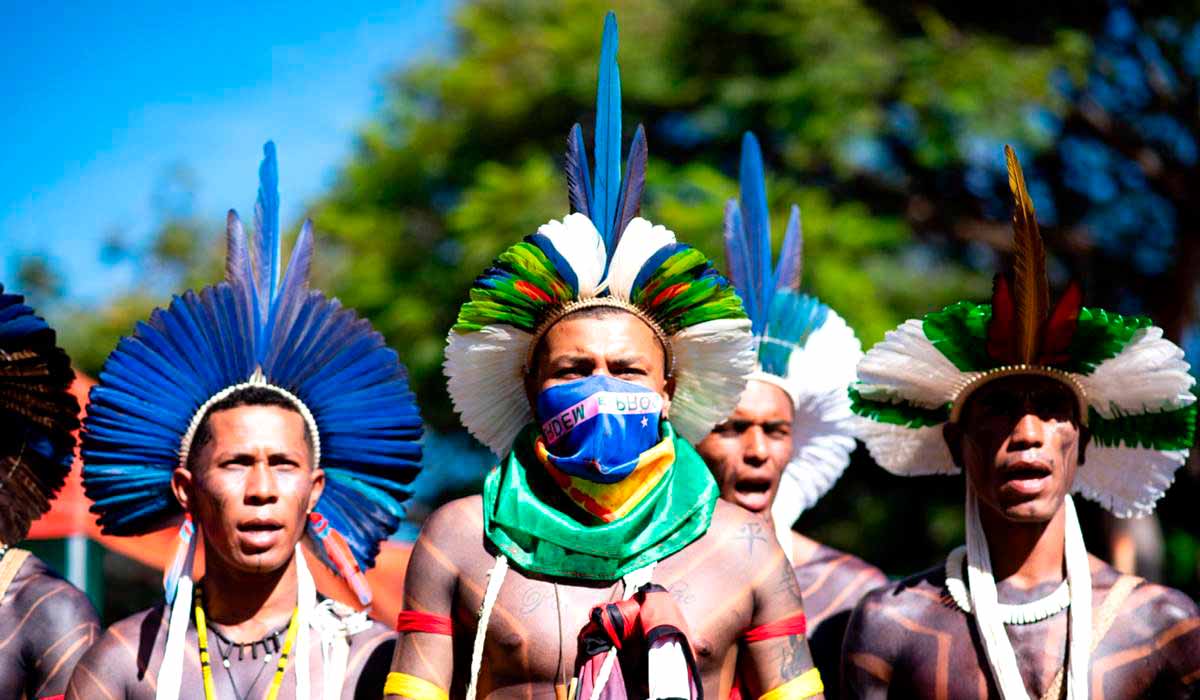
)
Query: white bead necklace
[{"x": 1021, "y": 614}]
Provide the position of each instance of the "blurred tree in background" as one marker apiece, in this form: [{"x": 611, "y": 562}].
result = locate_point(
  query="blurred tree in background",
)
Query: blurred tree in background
[{"x": 884, "y": 123}]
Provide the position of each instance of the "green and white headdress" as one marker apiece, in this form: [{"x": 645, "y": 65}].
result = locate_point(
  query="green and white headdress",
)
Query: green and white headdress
[
  {"x": 1132, "y": 385},
  {"x": 804, "y": 347},
  {"x": 603, "y": 254}
]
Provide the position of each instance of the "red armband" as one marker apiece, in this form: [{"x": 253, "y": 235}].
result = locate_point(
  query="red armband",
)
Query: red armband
[
  {"x": 415, "y": 621},
  {"x": 796, "y": 624}
]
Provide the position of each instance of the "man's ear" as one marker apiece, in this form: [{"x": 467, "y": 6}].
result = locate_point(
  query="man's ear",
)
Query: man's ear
[
  {"x": 952, "y": 434},
  {"x": 181, "y": 485},
  {"x": 318, "y": 487},
  {"x": 1085, "y": 437}
]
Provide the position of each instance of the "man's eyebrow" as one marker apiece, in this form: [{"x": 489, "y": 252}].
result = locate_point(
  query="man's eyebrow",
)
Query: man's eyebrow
[
  {"x": 628, "y": 359},
  {"x": 569, "y": 358}
]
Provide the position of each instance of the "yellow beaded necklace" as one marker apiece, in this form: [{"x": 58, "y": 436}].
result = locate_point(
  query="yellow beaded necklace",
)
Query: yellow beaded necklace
[{"x": 210, "y": 692}]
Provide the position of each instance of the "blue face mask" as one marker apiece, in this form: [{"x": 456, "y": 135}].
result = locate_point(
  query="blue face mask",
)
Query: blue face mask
[{"x": 595, "y": 428}]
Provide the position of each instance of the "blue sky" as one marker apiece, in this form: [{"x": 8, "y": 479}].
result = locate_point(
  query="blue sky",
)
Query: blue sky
[{"x": 102, "y": 100}]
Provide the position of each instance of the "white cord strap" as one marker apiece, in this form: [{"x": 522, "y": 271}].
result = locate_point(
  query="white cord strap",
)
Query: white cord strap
[
  {"x": 170, "y": 672},
  {"x": 997, "y": 647},
  {"x": 495, "y": 578},
  {"x": 306, "y": 602}
]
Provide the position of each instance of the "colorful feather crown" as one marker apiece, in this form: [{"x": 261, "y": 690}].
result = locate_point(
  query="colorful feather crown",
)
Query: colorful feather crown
[
  {"x": 1133, "y": 385},
  {"x": 39, "y": 415},
  {"x": 261, "y": 326},
  {"x": 804, "y": 347},
  {"x": 602, "y": 254}
]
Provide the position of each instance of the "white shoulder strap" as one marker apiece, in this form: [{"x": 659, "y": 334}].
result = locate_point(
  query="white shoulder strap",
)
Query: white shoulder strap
[{"x": 495, "y": 580}]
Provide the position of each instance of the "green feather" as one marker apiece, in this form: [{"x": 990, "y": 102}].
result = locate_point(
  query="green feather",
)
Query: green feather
[{"x": 899, "y": 413}]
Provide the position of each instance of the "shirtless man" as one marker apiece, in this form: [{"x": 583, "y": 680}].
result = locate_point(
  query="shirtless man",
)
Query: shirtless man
[
  {"x": 231, "y": 407},
  {"x": 45, "y": 623},
  {"x": 748, "y": 454},
  {"x": 601, "y": 529},
  {"x": 1046, "y": 403},
  {"x": 789, "y": 439},
  {"x": 250, "y": 484},
  {"x": 731, "y": 578}
]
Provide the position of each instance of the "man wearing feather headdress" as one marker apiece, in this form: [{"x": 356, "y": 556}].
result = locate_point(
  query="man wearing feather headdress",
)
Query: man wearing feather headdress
[
  {"x": 45, "y": 623},
  {"x": 260, "y": 411},
  {"x": 1032, "y": 404},
  {"x": 789, "y": 439},
  {"x": 599, "y": 562}
]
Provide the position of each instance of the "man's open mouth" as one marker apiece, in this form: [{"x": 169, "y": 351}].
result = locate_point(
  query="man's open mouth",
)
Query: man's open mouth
[{"x": 259, "y": 525}]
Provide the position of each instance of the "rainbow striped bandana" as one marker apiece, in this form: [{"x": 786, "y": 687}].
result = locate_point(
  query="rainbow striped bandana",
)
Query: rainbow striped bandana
[{"x": 611, "y": 501}]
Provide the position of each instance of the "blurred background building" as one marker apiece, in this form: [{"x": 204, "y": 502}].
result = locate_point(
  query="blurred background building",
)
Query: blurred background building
[{"x": 423, "y": 137}]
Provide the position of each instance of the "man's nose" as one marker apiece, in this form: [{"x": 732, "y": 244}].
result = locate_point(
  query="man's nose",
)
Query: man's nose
[
  {"x": 755, "y": 446},
  {"x": 260, "y": 484},
  {"x": 1027, "y": 432}
]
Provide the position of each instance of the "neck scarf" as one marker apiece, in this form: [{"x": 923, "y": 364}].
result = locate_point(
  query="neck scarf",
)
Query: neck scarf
[
  {"x": 539, "y": 538},
  {"x": 1001, "y": 658}
]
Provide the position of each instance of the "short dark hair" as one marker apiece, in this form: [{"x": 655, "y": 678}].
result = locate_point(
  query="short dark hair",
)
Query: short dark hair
[{"x": 247, "y": 396}]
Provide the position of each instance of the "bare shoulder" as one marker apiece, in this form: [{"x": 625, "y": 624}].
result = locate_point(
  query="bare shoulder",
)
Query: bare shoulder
[
  {"x": 462, "y": 517},
  {"x": 1147, "y": 604},
  {"x": 122, "y": 640},
  {"x": 818, "y": 556},
  {"x": 917, "y": 597},
  {"x": 121, "y": 656},
  {"x": 741, "y": 536},
  {"x": 49, "y": 600}
]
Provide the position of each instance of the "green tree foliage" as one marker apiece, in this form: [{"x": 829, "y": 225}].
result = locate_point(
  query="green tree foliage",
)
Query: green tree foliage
[{"x": 869, "y": 114}]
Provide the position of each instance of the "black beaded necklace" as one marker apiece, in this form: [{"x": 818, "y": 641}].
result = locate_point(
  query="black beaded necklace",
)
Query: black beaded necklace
[{"x": 270, "y": 645}]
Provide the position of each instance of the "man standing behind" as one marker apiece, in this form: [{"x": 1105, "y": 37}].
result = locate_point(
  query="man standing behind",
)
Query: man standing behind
[
  {"x": 1032, "y": 404},
  {"x": 789, "y": 439},
  {"x": 45, "y": 623},
  {"x": 261, "y": 411},
  {"x": 599, "y": 561}
]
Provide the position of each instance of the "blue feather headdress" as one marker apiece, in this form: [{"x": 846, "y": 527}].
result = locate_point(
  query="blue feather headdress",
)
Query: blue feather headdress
[
  {"x": 602, "y": 254},
  {"x": 261, "y": 326},
  {"x": 804, "y": 347},
  {"x": 39, "y": 416}
]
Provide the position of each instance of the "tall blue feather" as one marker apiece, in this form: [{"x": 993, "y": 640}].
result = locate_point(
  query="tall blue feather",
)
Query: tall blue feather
[
  {"x": 606, "y": 190},
  {"x": 756, "y": 217},
  {"x": 266, "y": 224},
  {"x": 579, "y": 181},
  {"x": 791, "y": 263},
  {"x": 633, "y": 185}
]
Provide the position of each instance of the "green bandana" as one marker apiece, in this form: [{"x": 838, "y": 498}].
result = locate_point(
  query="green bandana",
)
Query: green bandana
[{"x": 539, "y": 538}]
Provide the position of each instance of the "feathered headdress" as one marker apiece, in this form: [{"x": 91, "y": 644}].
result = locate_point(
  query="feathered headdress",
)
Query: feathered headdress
[
  {"x": 603, "y": 254},
  {"x": 804, "y": 347},
  {"x": 39, "y": 416},
  {"x": 1132, "y": 385},
  {"x": 261, "y": 326}
]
